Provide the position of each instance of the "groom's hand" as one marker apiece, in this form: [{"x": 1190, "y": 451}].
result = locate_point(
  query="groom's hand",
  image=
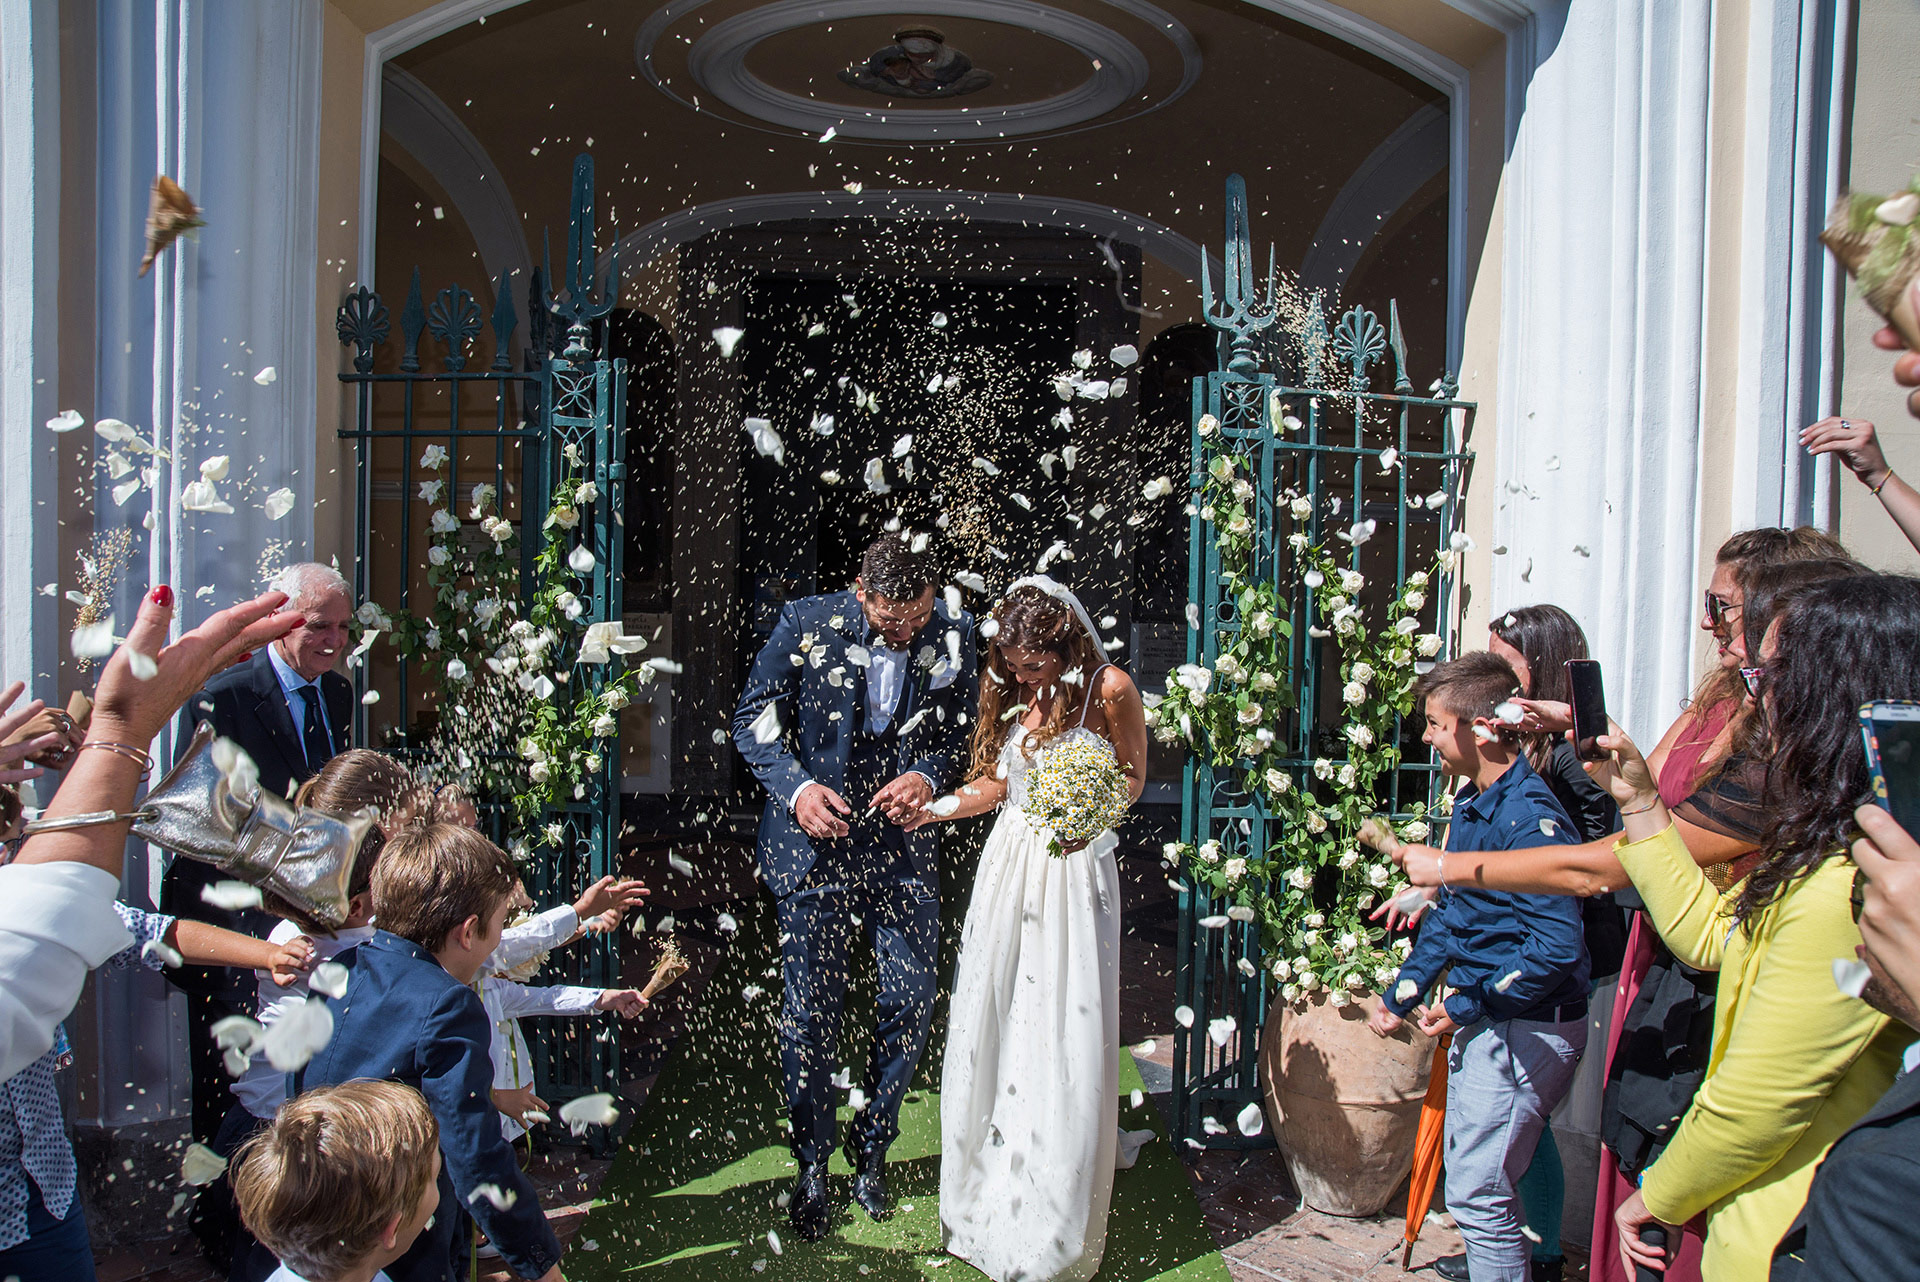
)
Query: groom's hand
[
  {"x": 814, "y": 812},
  {"x": 905, "y": 797}
]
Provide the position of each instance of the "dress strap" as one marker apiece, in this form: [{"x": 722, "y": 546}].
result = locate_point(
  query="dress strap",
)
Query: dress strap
[{"x": 1092, "y": 681}]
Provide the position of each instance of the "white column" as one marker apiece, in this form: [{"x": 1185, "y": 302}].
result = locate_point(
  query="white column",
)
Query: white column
[
  {"x": 29, "y": 300},
  {"x": 1596, "y": 467}
]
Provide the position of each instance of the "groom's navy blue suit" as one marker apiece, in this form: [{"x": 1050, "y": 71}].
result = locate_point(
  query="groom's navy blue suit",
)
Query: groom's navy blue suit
[{"x": 877, "y": 877}]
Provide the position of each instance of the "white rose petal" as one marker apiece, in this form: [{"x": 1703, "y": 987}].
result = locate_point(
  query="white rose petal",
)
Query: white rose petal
[
  {"x": 66, "y": 421},
  {"x": 1123, "y": 355},
  {"x": 1217, "y": 921},
  {"x": 766, "y": 726},
  {"x": 1220, "y": 1031},
  {"x": 278, "y": 503},
  {"x": 766, "y": 441},
  {"x": 302, "y": 1031},
  {"x": 1850, "y": 976},
  {"x": 112, "y": 429},
  {"x": 728, "y": 338},
  {"x": 1898, "y": 211},
  {"x": 502, "y": 1199},
  {"x": 1183, "y": 1016},
  {"x": 581, "y": 560},
  {"x": 199, "y": 496},
  {"x": 93, "y": 640},
  {"x": 231, "y": 895},
  {"x": 200, "y": 1165},
  {"x": 266, "y": 376},
  {"x": 589, "y": 1110},
  {"x": 1405, "y": 990},
  {"x": 1505, "y": 981},
  {"x": 1251, "y": 1120},
  {"x": 330, "y": 978}
]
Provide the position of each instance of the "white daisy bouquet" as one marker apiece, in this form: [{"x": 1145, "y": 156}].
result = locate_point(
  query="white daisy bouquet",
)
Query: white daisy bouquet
[{"x": 1076, "y": 791}]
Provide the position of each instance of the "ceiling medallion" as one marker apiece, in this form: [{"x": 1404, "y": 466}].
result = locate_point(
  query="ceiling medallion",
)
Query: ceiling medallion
[
  {"x": 920, "y": 67},
  {"x": 918, "y": 64}
]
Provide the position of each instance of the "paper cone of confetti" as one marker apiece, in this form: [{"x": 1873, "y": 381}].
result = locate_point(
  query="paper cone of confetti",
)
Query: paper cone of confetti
[
  {"x": 672, "y": 964},
  {"x": 1877, "y": 239}
]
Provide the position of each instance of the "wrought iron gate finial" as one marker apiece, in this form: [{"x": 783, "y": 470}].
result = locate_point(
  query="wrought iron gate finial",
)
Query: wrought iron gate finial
[
  {"x": 1240, "y": 316},
  {"x": 580, "y": 308}
]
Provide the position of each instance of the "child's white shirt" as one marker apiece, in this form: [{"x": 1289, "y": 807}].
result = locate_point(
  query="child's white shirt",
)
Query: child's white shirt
[
  {"x": 262, "y": 1089},
  {"x": 506, "y": 1001},
  {"x": 285, "y": 1274},
  {"x": 523, "y": 941}
]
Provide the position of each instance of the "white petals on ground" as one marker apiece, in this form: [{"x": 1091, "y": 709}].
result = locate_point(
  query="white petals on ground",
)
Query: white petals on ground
[
  {"x": 589, "y": 1110},
  {"x": 231, "y": 895},
  {"x": 1251, "y": 1120},
  {"x": 1220, "y": 1031},
  {"x": 581, "y": 560},
  {"x": 199, "y": 496},
  {"x": 266, "y": 376},
  {"x": 728, "y": 338},
  {"x": 1850, "y": 976},
  {"x": 93, "y": 640},
  {"x": 502, "y": 1199},
  {"x": 1183, "y": 1016},
  {"x": 1124, "y": 355},
  {"x": 66, "y": 421},
  {"x": 302, "y": 1031},
  {"x": 1146, "y": 1049},
  {"x": 279, "y": 503},
  {"x": 766, "y": 441},
  {"x": 330, "y": 978},
  {"x": 773, "y": 1242},
  {"x": 766, "y": 726},
  {"x": 200, "y": 1165}
]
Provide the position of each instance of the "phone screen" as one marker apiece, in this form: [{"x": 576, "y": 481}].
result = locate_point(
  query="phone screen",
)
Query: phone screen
[
  {"x": 1589, "y": 709},
  {"x": 1898, "y": 742}
]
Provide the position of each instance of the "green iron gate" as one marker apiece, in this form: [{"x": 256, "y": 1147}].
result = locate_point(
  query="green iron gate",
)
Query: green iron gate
[
  {"x": 1296, "y": 415},
  {"x": 422, "y": 440}
]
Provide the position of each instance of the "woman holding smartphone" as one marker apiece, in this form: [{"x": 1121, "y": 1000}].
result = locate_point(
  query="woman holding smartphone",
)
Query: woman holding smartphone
[{"x": 1744, "y": 1153}]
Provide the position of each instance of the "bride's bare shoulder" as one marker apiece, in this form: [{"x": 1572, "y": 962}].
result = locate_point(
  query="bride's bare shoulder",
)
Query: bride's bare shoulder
[{"x": 1113, "y": 683}]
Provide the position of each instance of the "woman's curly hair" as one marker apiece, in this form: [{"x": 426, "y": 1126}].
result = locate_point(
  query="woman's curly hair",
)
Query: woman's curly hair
[{"x": 1838, "y": 645}]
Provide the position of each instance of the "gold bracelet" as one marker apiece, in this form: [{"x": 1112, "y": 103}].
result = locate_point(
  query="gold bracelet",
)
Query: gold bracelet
[
  {"x": 1875, "y": 489},
  {"x": 138, "y": 756}
]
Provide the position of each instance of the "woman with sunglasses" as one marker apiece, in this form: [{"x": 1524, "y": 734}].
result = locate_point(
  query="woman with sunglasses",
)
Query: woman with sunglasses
[{"x": 1745, "y": 1151}]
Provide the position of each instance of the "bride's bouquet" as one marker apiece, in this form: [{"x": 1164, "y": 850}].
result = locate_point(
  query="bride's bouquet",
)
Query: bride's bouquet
[{"x": 1076, "y": 791}]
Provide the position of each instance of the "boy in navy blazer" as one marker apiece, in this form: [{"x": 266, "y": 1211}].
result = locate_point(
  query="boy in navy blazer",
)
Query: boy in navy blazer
[
  {"x": 857, "y": 713},
  {"x": 441, "y": 895}
]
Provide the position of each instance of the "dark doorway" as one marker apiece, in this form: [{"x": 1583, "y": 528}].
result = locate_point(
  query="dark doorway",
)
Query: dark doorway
[{"x": 963, "y": 367}]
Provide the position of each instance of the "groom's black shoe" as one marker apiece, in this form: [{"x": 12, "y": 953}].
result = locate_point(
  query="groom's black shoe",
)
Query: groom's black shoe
[
  {"x": 807, "y": 1209},
  {"x": 870, "y": 1181}
]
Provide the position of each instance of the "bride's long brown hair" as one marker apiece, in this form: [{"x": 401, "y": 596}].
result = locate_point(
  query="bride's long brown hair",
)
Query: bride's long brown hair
[{"x": 1029, "y": 619}]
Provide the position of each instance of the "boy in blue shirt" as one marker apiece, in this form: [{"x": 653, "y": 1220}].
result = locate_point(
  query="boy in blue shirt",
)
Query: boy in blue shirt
[{"x": 1515, "y": 966}]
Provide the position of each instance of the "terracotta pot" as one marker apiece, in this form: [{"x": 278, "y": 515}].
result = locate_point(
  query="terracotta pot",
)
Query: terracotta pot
[{"x": 1344, "y": 1103}]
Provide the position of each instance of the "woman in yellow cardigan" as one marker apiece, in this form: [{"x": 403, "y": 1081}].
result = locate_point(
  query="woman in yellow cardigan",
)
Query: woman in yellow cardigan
[{"x": 1794, "y": 1061}]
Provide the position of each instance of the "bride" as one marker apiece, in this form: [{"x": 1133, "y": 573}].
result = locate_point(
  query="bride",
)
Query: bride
[{"x": 1029, "y": 1105}]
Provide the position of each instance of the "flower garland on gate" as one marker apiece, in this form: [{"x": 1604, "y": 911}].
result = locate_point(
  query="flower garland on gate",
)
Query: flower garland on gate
[
  {"x": 523, "y": 728},
  {"x": 1311, "y": 889}
]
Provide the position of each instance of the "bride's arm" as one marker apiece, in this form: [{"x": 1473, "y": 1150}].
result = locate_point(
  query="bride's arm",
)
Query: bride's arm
[
  {"x": 1126, "y": 726},
  {"x": 976, "y": 797}
]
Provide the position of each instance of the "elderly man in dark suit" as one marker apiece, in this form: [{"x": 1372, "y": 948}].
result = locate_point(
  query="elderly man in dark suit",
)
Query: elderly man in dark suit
[
  {"x": 290, "y": 711},
  {"x": 857, "y": 713}
]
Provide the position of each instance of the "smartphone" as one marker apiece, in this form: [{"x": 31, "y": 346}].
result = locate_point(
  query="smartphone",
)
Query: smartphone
[
  {"x": 1891, "y": 728},
  {"x": 1589, "y": 709}
]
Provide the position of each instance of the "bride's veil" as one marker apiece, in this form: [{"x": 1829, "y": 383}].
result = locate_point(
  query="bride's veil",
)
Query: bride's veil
[{"x": 1060, "y": 592}]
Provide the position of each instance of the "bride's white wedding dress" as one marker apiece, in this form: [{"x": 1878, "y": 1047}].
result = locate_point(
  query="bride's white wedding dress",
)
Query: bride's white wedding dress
[{"x": 1030, "y": 1087}]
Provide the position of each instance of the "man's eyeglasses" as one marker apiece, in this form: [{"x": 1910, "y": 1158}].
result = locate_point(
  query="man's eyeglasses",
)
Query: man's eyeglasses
[
  {"x": 1754, "y": 679},
  {"x": 1719, "y": 610}
]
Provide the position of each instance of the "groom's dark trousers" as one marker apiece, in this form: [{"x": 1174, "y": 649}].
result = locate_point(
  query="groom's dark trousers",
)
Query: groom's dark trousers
[{"x": 878, "y": 881}]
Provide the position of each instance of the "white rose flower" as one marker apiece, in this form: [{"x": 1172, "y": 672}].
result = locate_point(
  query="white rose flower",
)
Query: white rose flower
[
  {"x": 1349, "y": 857},
  {"x": 1338, "y": 998},
  {"x": 437, "y": 555},
  {"x": 616, "y": 699},
  {"x": 1415, "y": 600},
  {"x": 1228, "y": 668},
  {"x": 1336, "y": 603},
  {"x": 1301, "y": 508},
  {"x": 481, "y": 495},
  {"x": 1262, "y": 623},
  {"x": 1313, "y": 578},
  {"x": 1362, "y": 672},
  {"x": 1308, "y": 938},
  {"x": 456, "y": 670},
  {"x": 1356, "y": 981},
  {"x": 1346, "y": 776},
  {"x": 1291, "y": 992},
  {"x": 1235, "y": 869},
  {"x": 1427, "y": 646},
  {"x": 565, "y": 601},
  {"x": 443, "y": 521},
  {"x": 1323, "y": 769},
  {"x": 1315, "y": 920},
  {"x": 1416, "y": 831},
  {"x": 604, "y": 726},
  {"x": 1346, "y": 943},
  {"x": 1316, "y": 822},
  {"x": 1207, "y": 425},
  {"x": 1238, "y": 523},
  {"x": 538, "y": 772},
  {"x": 433, "y": 458},
  {"x": 1354, "y": 692},
  {"x": 565, "y": 516},
  {"x": 1346, "y": 622},
  {"x": 432, "y": 639},
  {"x": 1351, "y": 581},
  {"x": 1264, "y": 681},
  {"x": 1418, "y": 579},
  {"x": 1252, "y": 715},
  {"x": 1299, "y": 878},
  {"x": 1309, "y": 981},
  {"x": 1377, "y": 875},
  {"x": 1279, "y": 781},
  {"x": 587, "y": 493},
  {"x": 1281, "y": 969},
  {"x": 1242, "y": 489},
  {"x": 1298, "y": 542},
  {"x": 1360, "y": 737},
  {"x": 1210, "y": 853}
]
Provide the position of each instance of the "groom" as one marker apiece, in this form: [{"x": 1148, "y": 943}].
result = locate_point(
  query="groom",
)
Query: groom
[{"x": 857, "y": 713}]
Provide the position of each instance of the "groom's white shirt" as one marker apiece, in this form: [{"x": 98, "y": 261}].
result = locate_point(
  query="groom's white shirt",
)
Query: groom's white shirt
[{"x": 886, "y": 678}]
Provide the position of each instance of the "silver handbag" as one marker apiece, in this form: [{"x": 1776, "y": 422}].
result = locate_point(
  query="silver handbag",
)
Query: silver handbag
[{"x": 301, "y": 857}]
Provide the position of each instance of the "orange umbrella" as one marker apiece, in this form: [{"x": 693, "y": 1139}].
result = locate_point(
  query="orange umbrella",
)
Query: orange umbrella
[{"x": 1427, "y": 1147}]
